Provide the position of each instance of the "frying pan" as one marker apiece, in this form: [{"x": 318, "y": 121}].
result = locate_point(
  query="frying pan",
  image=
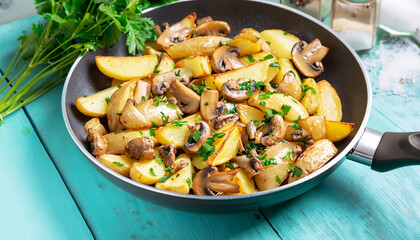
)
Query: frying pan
[{"x": 343, "y": 69}]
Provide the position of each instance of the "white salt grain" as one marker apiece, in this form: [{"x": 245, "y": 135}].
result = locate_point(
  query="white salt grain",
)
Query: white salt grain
[{"x": 397, "y": 63}]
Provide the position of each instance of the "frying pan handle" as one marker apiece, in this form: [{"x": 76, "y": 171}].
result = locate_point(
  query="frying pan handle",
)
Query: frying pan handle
[{"x": 387, "y": 151}]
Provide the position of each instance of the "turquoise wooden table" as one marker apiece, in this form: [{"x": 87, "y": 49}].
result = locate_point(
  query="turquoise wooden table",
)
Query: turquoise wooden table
[{"x": 50, "y": 191}]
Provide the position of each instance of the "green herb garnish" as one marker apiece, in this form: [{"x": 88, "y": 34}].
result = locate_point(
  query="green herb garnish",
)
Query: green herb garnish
[
  {"x": 288, "y": 155},
  {"x": 177, "y": 73},
  {"x": 178, "y": 123},
  {"x": 275, "y": 64},
  {"x": 159, "y": 160},
  {"x": 164, "y": 178},
  {"x": 165, "y": 118},
  {"x": 296, "y": 171},
  {"x": 107, "y": 100},
  {"x": 249, "y": 59},
  {"x": 224, "y": 43},
  {"x": 278, "y": 180},
  {"x": 268, "y": 162},
  {"x": 189, "y": 182},
  {"x": 152, "y": 132},
  {"x": 152, "y": 172},
  {"x": 285, "y": 108},
  {"x": 118, "y": 164},
  {"x": 230, "y": 165},
  {"x": 306, "y": 88}
]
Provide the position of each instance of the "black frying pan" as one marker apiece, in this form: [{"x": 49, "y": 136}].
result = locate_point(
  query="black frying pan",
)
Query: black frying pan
[{"x": 343, "y": 70}]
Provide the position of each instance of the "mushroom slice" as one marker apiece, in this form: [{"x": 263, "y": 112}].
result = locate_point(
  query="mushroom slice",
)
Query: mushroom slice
[
  {"x": 238, "y": 90},
  {"x": 210, "y": 107},
  {"x": 203, "y": 20},
  {"x": 209, "y": 181},
  {"x": 197, "y": 136},
  {"x": 251, "y": 166},
  {"x": 188, "y": 100},
  {"x": 213, "y": 28},
  {"x": 307, "y": 57},
  {"x": 180, "y": 165},
  {"x": 140, "y": 149},
  {"x": 161, "y": 82},
  {"x": 225, "y": 58},
  {"x": 168, "y": 154},
  {"x": 99, "y": 144},
  {"x": 220, "y": 121},
  {"x": 176, "y": 33},
  {"x": 298, "y": 135},
  {"x": 273, "y": 131}
]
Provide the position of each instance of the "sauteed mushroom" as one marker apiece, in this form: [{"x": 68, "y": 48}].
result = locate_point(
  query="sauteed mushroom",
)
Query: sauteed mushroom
[
  {"x": 234, "y": 91},
  {"x": 213, "y": 28},
  {"x": 140, "y": 149},
  {"x": 197, "y": 136},
  {"x": 273, "y": 132},
  {"x": 188, "y": 101},
  {"x": 204, "y": 20},
  {"x": 161, "y": 82},
  {"x": 209, "y": 105},
  {"x": 175, "y": 33},
  {"x": 290, "y": 85},
  {"x": 298, "y": 135},
  {"x": 168, "y": 153},
  {"x": 209, "y": 181},
  {"x": 251, "y": 166},
  {"x": 307, "y": 57},
  {"x": 220, "y": 121},
  {"x": 225, "y": 58},
  {"x": 98, "y": 144}
]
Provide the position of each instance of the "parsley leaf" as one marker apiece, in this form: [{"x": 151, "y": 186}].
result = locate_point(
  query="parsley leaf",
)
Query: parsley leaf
[
  {"x": 165, "y": 118},
  {"x": 159, "y": 160},
  {"x": 152, "y": 132},
  {"x": 178, "y": 123},
  {"x": 152, "y": 172},
  {"x": 249, "y": 59},
  {"x": 296, "y": 171},
  {"x": 164, "y": 178},
  {"x": 118, "y": 164},
  {"x": 271, "y": 112},
  {"x": 278, "y": 180},
  {"x": 224, "y": 43},
  {"x": 107, "y": 100},
  {"x": 274, "y": 64},
  {"x": 230, "y": 165},
  {"x": 285, "y": 108},
  {"x": 306, "y": 88},
  {"x": 268, "y": 162},
  {"x": 296, "y": 125}
]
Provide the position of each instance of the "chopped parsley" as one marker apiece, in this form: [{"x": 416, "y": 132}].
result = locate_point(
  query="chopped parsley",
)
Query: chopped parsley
[
  {"x": 285, "y": 33},
  {"x": 224, "y": 43},
  {"x": 119, "y": 85},
  {"x": 152, "y": 132},
  {"x": 266, "y": 95},
  {"x": 155, "y": 70},
  {"x": 275, "y": 64},
  {"x": 256, "y": 122},
  {"x": 278, "y": 180},
  {"x": 206, "y": 103},
  {"x": 208, "y": 149},
  {"x": 285, "y": 108},
  {"x": 160, "y": 100},
  {"x": 288, "y": 155},
  {"x": 200, "y": 88},
  {"x": 171, "y": 106},
  {"x": 151, "y": 94},
  {"x": 246, "y": 86},
  {"x": 189, "y": 182},
  {"x": 263, "y": 103},
  {"x": 269, "y": 56},
  {"x": 303, "y": 143},
  {"x": 154, "y": 124},
  {"x": 268, "y": 42},
  {"x": 177, "y": 73},
  {"x": 231, "y": 110},
  {"x": 107, "y": 100},
  {"x": 165, "y": 118},
  {"x": 119, "y": 114},
  {"x": 160, "y": 56},
  {"x": 271, "y": 132},
  {"x": 143, "y": 98},
  {"x": 179, "y": 114},
  {"x": 268, "y": 162},
  {"x": 229, "y": 165},
  {"x": 271, "y": 112},
  {"x": 167, "y": 169},
  {"x": 198, "y": 118},
  {"x": 196, "y": 135},
  {"x": 164, "y": 178},
  {"x": 178, "y": 123},
  {"x": 296, "y": 125},
  {"x": 118, "y": 164},
  {"x": 249, "y": 59},
  {"x": 159, "y": 160},
  {"x": 306, "y": 88},
  {"x": 296, "y": 171},
  {"x": 152, "y": 172}
]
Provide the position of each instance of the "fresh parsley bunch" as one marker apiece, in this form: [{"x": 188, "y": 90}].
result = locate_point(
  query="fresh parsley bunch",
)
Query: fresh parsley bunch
[{"x": 72, "y": 27}]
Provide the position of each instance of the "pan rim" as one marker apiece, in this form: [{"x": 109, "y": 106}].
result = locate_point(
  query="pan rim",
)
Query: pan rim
[{"x": 336, "y": 160}]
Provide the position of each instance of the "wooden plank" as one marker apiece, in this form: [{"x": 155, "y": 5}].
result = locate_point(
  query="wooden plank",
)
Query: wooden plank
[
  {"x": 34, "y": 202},
  {"x": 115, "y": 214}
]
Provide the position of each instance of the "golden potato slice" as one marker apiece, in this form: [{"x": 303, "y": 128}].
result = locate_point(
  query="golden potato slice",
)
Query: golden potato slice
[
  {"x": 118, "y": 140},
  {"x": 260, "y": 57},
  {"x": 315, "y": 126},
  {"x": 96, "y": 105},
  {"x": 245, "y": 46},
  {"x": 172, "y": 134},
  {"x": 247, "y": 113},
  {"x": 126, "y": 68},
  {"x": 182, "y": 180},
  {"x": 316, "y": 156},
  {"x": 291, "y": 108},
  {"x": 166, "y": 64},
  {"x": 246, "y": 185},
  {"x": 119, "y": 163},
  {"x": 273, "y": 175},
  {"x": 195, "y": 46},
  {"x": 330, "y": 104},
  {"x": 147, "y": 171},
  {"x": 337, "y": 131},
  {"x": 116, "y": 105},
  {"x": 199, "y": 65},
  {"x": 280, "y": 42},
  {"x": 310, "y": 99}
]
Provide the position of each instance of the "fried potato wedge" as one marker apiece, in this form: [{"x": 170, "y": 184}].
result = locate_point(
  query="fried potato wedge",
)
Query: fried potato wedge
[
  {"x": 119, "y": 163},
  {"x": 337, "y": 131},
  {"x": 182, "y": 180},
  {"x": 281, "y": 42},
  {"x": 330, "y": 103},
  {"x": 316, "y": 156},
  {"x": 195, "y": 46},
  {"x": 126, "y": 68}
]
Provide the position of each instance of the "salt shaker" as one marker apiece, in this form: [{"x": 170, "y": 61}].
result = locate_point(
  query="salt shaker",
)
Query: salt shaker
[
  {"x": 356, "y": 22},
  {"x": 318, "y": 9}
]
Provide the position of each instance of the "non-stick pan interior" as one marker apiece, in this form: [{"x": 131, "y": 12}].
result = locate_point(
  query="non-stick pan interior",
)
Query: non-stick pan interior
[{"x": 342, "y": 69}]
